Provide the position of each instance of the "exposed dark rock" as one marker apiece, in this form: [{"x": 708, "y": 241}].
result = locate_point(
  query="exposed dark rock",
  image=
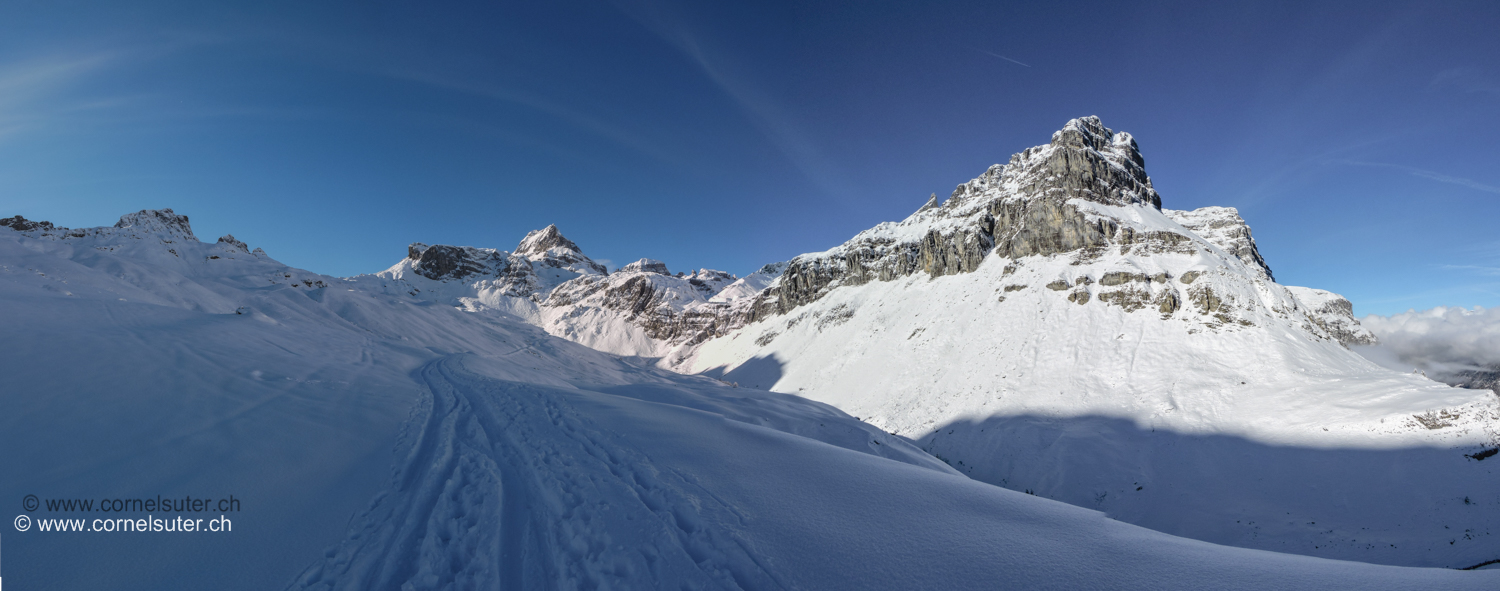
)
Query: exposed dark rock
[
  {"x": 1122, "y": 277},
  {"x": 231, "y": 241},
  {"x": 1131, "y": 299},
  {"x": 440, "y": 262},
  {"x": 1205, "y": 299},
  {"x": 1084, "y": 161},
  {"x": 21, "y": 224},
  {"x": 1168, "y": 302},
  {"x": 1223, "y": 227},
  {"x": 159, "y": 221}
]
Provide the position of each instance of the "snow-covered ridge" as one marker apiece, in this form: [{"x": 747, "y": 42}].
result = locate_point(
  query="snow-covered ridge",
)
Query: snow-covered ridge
[
  {"x": 640, "y": 309},
  {"x": 1223, "y": 227},
  {"x": 158, "y": 223},
  {"x": 1050, "y": 328}
]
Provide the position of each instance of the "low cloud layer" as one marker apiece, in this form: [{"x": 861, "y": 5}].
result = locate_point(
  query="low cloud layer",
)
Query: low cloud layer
[{"x": 1440, "y": 340}]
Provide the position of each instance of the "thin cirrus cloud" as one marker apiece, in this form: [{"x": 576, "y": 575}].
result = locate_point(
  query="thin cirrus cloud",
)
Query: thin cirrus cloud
[
  {"x": 991, "y": 53},
  {"x": 628, "y": 138},
  {"x": 1428, "y": 174},
  {"x": 768, "y": 115},
  {"x": 31, "y": 92}
]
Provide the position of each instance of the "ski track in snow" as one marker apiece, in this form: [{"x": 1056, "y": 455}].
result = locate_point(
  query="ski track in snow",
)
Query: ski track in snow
[{"x": 505, "y": 485}]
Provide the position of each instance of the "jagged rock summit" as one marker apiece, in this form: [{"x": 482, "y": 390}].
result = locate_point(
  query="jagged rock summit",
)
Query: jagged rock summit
[
  {"x": 647, "y": 266},
  {"x": 641, "y": 309},
  {"x": 1051, "y": 328}
]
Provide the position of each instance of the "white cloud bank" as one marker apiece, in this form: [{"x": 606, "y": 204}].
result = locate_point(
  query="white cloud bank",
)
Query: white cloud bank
[{"x": 1441, "y": 340}]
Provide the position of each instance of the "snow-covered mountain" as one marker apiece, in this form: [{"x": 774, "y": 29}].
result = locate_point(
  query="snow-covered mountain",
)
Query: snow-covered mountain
[
  {"x": 139, "y": 362},
  {"x": 642, "y": 309},
  {"x": 1050, "y": 328}
]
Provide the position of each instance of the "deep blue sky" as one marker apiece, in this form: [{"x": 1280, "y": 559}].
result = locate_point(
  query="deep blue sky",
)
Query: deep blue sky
[{"x": 1360, "y": 140}]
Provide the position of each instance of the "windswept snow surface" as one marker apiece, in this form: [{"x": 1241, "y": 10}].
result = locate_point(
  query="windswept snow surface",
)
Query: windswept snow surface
[
  {"x": 140, "y": 364},
  {"x": 1161, "y": 376},
  {"x": 510, "y": 485}
]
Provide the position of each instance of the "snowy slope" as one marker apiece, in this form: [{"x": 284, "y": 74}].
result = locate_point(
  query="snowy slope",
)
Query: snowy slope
[
  {"x": 1050, "y": 328},
  {"x": 141, "y": 362}
]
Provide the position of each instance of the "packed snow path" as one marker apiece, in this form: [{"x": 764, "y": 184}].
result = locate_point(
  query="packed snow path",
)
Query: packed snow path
[{"x": 506, "y": 485}]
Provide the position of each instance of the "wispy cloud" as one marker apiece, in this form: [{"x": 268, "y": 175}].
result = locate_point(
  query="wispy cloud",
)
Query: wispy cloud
[
  {"x": 1428, "y": 174},
  {"x": 31, "y": 91},
  {"x": 1004, "y": 58},
  {"x": 628, "y": 138},
  {"x": 773, "y": 121}
]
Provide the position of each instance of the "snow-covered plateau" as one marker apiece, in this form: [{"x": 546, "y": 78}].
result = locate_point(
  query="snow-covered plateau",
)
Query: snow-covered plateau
[{"x": 1045, "y": 381}]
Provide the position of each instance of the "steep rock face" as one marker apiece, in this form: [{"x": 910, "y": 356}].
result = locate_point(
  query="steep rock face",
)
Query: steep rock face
[
  {"x": 1223, "y": 227},
  {"x": 710, "y": 282},
  {"x": 1334, "y": 314},
  {"x": 750, "y": 285},
  {"x": 1034, "y": 205},
  {"x": 548, "y": 245},
  {"x": 161, "y": 222},
  {"x": 442, "y": 262},
  {"x": 543, "y": 260},
  {"x": 647, "y": 266}
]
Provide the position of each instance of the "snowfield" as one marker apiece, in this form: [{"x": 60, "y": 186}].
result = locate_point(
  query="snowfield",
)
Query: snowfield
[
  {"x": 379, "y": 440},
  {"x": 1131, "y": 359}
]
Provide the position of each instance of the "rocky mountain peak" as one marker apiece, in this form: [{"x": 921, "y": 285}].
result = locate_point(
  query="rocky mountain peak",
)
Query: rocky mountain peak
[
  {"x": 21, "y": 224},
  {"x": 543, "y": 240},
  {"x": 647, "y": 266},
  {"x": 932, "y": 203},
  {"x": 230, "y": 240},
  {"x": 440, "y": 262},
  {"x": 1083, "y": 132},
  {"x": 157, "y": 221}
]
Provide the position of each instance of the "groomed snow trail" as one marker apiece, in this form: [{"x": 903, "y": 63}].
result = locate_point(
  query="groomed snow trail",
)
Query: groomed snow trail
[{"x": 505, "y": 485}]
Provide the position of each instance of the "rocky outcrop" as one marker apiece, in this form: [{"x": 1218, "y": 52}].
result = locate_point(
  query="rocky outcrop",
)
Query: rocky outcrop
[
  {"x": 670, "y": 309},
  {"x": 161, "y": 222},
  {"x": 21, "y": 224},
  {"x": 1333, "y": 314},
  {"x": 544, "y": 260},
  {"x": 229, "y": 239},
  {"x": 1223, "y": 227},
  {"x": 442, "y": 262},
  {"x": 549, "y": 246},
  {"x": 1027, "y": 207},
  {"x": 710, "y": 282},
  {"x": 647, "y": 266}
]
